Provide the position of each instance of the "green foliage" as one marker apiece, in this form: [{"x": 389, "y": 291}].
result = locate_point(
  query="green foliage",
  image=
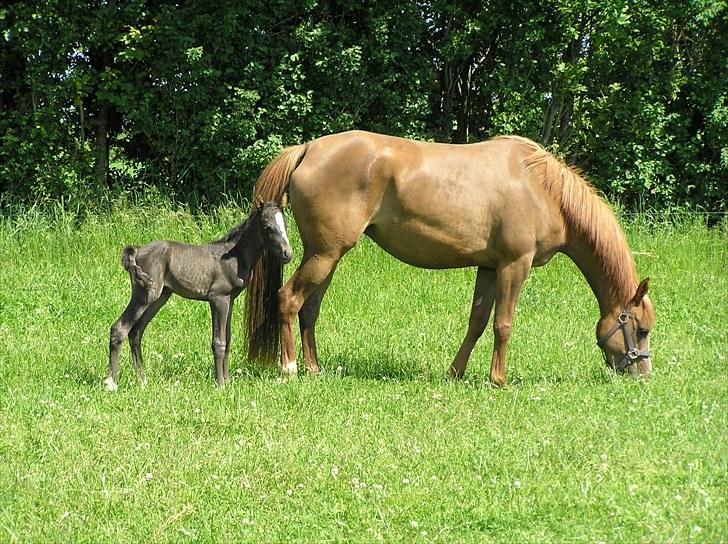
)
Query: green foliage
[{"x": 195, "y": 97}]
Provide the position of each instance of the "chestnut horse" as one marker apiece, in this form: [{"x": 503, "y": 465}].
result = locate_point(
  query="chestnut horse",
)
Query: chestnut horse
[{"x": 503, "y": 206}]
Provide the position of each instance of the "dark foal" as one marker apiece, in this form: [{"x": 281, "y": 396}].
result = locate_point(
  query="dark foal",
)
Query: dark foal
[{"x": 217, "y": 272}]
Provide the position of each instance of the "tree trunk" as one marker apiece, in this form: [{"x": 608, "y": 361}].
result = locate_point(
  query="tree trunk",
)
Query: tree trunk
[{"x": 101, "y": 166}]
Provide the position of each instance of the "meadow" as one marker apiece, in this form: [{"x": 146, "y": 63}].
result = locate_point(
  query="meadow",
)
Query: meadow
[{"x": 381, "y": 447}]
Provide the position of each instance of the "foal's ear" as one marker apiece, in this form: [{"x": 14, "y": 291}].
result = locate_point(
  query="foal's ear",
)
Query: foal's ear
[
  {"x": 641, "y": 292},
  {"x": 284, "y": 200},
  {"x": 258, "y": 202}
]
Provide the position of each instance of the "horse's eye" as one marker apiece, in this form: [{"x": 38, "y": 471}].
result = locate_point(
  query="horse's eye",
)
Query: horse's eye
[{"x": 642, "y": 333}]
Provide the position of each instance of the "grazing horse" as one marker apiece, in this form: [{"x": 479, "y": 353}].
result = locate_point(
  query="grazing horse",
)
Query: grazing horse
[
  {"x": 216, "y": 272},
  {"x": 503, "y": 206}
]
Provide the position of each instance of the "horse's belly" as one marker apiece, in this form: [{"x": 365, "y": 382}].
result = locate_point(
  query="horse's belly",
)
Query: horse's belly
[{"x": 427, "y": 248}]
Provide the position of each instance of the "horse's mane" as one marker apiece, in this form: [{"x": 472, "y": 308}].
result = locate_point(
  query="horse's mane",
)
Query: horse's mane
[
  {"x": 238, "y": 230},
  {"x": 586, "y": 214}
]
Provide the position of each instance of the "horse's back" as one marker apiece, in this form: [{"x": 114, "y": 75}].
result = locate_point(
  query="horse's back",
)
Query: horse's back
[{"x": 429, "y": 204}]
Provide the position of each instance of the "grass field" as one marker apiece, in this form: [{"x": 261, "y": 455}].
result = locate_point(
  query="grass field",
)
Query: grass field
[{"x": 379, "y": 448}]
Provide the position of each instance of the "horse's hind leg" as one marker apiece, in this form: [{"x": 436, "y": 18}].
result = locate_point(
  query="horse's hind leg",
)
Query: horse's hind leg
[
  {"x": 137, "y": 332},
  {"x": 483, "y": 298},
  {"x": 307, "y": 317},
  {"x": 310, "y": 276},
  {"x": 120, "y": 330}
]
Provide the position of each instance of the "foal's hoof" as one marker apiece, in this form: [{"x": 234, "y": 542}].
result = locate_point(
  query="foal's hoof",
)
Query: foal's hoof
[
  {"x": 289, "y": 369},
  {"x": 111, "y": 385}
]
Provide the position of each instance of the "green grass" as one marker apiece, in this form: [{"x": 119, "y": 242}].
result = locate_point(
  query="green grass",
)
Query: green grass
[{"x": 379, "y": 448}]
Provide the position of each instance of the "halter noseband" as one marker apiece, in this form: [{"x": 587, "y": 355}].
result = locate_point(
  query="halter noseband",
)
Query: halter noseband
[{"x": 632, "y": 354}]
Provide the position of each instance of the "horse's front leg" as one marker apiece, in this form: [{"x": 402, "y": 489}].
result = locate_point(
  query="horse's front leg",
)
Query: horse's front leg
[
  {"x": 220, "y": 308},
  {"x": 228, "y": 337},
  {"x": 483, "y": 298},
  {"x": 509, "y": 280}
]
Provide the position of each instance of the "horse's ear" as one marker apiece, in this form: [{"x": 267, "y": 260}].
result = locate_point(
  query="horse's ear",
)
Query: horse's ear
[
  {"x": 641, "y": 292},
  {"x": 284, "y": 200}
]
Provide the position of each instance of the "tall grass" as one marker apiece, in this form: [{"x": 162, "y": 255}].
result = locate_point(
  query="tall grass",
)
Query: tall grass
[{"x": 379, "y": 448}]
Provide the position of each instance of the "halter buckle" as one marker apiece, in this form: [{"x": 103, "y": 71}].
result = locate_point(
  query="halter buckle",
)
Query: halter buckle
[
  {"x": 623, "y": 318},
  {"x": 634, "y": 354}
]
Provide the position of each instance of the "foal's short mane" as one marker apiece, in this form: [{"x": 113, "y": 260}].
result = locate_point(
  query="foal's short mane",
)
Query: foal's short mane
[
  {"x": 586, "y": 214},
  {"x": 238, "y": 230}
]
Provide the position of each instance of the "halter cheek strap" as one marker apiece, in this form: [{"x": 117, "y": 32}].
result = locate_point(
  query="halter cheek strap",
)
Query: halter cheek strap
[{"x": 632, "y": 353}]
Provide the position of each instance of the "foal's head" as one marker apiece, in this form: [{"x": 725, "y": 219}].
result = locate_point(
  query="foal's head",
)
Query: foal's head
[{"x": 273, "y": 228}]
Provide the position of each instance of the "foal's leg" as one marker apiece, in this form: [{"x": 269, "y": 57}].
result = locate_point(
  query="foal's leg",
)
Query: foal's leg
[
  {"x": 137, "y": 331},
  {"x": 310, "y": 276},
  {"x": 220, "y": 308},
  {"x": 225, "y": 369},
  {"x": 119, "y": 331},
  {"x": 509, "y": 281},
  {"x": 307, "y": 317},
  {"x": 483, "y": 298}
]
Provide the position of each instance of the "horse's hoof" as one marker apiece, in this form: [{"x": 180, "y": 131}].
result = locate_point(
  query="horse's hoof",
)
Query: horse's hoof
[
  {"x": 111, "y": 385},
  {"x": 290, "y": 369}
]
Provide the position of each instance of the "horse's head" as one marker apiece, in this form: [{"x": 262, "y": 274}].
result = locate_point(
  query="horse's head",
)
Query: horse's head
[
  {"x": 624, "y": 335},
  {"x": 275, "y": 237}
]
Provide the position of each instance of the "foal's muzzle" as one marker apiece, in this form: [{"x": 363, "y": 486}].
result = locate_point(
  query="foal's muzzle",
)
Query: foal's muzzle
[{"x": 286, "y": 255}]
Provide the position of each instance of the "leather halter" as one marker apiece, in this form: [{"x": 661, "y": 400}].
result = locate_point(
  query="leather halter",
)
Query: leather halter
[{"x": 632, "y": 354}]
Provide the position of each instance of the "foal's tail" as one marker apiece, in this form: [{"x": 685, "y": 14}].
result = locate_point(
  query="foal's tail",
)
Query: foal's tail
[
  {"x": 263, "y": 316},
  {"x": 138, "y": 276}
]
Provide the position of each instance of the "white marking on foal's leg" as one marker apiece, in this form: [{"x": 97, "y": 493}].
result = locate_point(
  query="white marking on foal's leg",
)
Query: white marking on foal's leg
[
  {"x": 111, "y": 385},
  {"x": 282, "y": 227},
  {"x": 290, "y": 368}
]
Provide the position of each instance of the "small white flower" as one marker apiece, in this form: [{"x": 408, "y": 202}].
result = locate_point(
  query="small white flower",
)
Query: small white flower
[
  {"x": 65, "y": 514},
  {"x": 253, "y": 404},
  {"x": 414, "y": 524},
  {"x": 517, "y": 484},
  {"x": 678, "y": 498},
  {"x": 289, "y": 492},
  {"x": 148, "y": 476},
  {"x": 335, "y": 471},
  {"x": 405, "y": 481}
]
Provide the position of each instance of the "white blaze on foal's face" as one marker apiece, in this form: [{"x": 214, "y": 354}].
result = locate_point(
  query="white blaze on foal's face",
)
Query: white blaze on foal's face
[{"x": 281, "y": 226}]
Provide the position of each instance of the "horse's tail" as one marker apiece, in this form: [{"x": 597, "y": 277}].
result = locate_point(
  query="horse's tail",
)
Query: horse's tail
[
  {"x": 138, "y": 276},
  {"x": 263, "y": 317}
]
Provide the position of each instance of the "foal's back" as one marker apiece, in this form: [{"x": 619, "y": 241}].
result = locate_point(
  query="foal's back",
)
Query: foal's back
[{"x": 191, "y": 271}]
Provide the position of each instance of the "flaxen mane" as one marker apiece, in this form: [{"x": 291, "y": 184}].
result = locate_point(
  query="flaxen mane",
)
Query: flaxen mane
[{"x": 587, "y": 213}]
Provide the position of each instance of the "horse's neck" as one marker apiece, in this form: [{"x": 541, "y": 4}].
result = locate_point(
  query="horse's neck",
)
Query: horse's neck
[
  {"x": 246, "y": 248},
  {"x": 610, "y": 284}
]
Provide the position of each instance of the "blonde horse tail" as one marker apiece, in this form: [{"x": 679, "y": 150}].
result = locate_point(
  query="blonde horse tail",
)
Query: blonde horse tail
[{"x": 262, "y": 313}]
